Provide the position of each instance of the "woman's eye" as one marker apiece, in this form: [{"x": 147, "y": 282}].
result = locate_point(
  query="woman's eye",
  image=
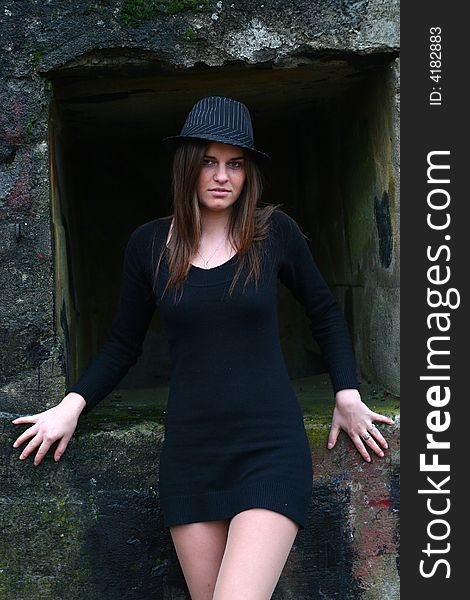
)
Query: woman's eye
[{"x": 234, "y": 164}]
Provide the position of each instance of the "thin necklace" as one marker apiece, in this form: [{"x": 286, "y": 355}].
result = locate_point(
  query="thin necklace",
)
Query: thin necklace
[{"x": 206, "y": 262}]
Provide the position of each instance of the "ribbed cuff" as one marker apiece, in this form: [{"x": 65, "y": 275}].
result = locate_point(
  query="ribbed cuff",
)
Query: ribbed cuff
[{"x": 342, "y": 380}]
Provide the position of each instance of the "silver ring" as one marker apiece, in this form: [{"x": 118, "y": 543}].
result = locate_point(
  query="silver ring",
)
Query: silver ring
[{"x": 366, "y": 436}]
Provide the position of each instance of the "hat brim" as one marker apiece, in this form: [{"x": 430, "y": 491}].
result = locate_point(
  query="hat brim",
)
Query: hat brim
[{"x": 173, "y": 141}]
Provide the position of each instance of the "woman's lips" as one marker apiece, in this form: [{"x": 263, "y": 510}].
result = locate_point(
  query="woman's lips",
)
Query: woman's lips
[{"x": 219, "y": 192}]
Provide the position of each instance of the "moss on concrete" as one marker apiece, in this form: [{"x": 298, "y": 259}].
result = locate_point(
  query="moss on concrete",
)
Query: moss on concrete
[
  {"x": 41, "y": 50},
  {"x": 137, "y": 11},
  {"x": 177, "y": 6},
  {"x": 50, "y": 530},
  {"x": 189, "y": 34}
]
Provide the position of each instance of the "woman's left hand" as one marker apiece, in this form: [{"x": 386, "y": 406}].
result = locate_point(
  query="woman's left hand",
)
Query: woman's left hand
[{"x": 357, "y": 420}]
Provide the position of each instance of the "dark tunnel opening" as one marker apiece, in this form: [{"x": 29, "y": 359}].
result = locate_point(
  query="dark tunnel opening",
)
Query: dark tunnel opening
[{"x": 327, "y": 127}]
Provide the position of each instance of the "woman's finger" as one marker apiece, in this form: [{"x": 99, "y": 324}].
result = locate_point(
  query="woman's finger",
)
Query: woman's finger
[
  {"x": 25, "y": 436},
  {"x": 381, "y": 418},
  {"x": 41, "y": 453},
  {"x": 61, "y": 447},
  {"x": 332, "y": 438},
  {"x": 378, "y": 436},
  {"x": 359, "y": 443},
  {"x": 25, "y": 419},
  {"x": 33, "y": 444},
  {"x": 371, "y": 443}
]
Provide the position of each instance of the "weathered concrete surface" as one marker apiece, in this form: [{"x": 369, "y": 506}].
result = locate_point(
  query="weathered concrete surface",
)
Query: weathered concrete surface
[
  {"x": 90, "y": 526},
  {"x": 44, "y": 36},
  {"x": 282, "y": 58}
]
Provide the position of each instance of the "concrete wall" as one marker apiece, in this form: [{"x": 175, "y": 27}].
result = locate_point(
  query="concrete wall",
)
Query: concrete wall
[
  {"x": 65, "y": 516},
  {"x": 355, "y": 223},
  {"x": 90, "y": 526}
]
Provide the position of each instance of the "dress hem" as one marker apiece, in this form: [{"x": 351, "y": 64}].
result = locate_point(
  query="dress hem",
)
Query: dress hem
[{"x": 284, "y": 497}]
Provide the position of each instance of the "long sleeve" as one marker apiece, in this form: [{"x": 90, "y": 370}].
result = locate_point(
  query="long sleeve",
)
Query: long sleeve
[
  {"x": 299, "y": 272},
  {"x": 124, "y": 344}
]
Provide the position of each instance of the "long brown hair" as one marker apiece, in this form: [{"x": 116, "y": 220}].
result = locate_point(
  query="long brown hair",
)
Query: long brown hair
[{"x": 248, "y": 224}]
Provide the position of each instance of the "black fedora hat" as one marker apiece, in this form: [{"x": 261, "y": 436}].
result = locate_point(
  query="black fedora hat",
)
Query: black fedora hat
[{"x": 219, "y": 119}]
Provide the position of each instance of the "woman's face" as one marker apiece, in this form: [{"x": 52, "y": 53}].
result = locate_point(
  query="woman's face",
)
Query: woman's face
[{"x": 221, "y": 177}]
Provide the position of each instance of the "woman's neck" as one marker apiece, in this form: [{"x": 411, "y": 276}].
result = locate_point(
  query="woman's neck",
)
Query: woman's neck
[{"x": 214, "y": 224}]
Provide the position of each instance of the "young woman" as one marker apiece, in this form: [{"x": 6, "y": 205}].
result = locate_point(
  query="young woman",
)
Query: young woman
[{"x": 235, "y": 476}]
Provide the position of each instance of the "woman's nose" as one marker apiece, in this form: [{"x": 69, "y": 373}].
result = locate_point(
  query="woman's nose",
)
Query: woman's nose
[{"x": 220, "y": 173}]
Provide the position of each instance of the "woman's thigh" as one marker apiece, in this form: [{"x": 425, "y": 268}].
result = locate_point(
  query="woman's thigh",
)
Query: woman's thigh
[
  {"x": 258, "y": 545},
  {"x": 200, "y": 547}
]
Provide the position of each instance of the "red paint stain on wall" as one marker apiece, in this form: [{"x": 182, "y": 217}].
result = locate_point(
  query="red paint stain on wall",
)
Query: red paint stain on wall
[
  {"x": 19, "y": 199},
  {"x": 382, "y": 502}
]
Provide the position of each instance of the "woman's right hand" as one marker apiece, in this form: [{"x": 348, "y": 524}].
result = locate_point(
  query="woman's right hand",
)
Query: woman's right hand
[{"x": 56, "y": 423}]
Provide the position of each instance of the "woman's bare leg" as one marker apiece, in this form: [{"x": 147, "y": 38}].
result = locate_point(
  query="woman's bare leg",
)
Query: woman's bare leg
[
  {"x": 200, "y": 547},
  {"x": 258, "y": 544}
]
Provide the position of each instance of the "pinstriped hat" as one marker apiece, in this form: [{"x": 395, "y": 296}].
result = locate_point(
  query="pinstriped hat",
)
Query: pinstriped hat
[{"x": 219, "y": 119}]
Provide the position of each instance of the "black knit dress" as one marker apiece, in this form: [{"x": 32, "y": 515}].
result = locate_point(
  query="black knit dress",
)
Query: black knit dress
[{"x": 234, "y": 432}]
